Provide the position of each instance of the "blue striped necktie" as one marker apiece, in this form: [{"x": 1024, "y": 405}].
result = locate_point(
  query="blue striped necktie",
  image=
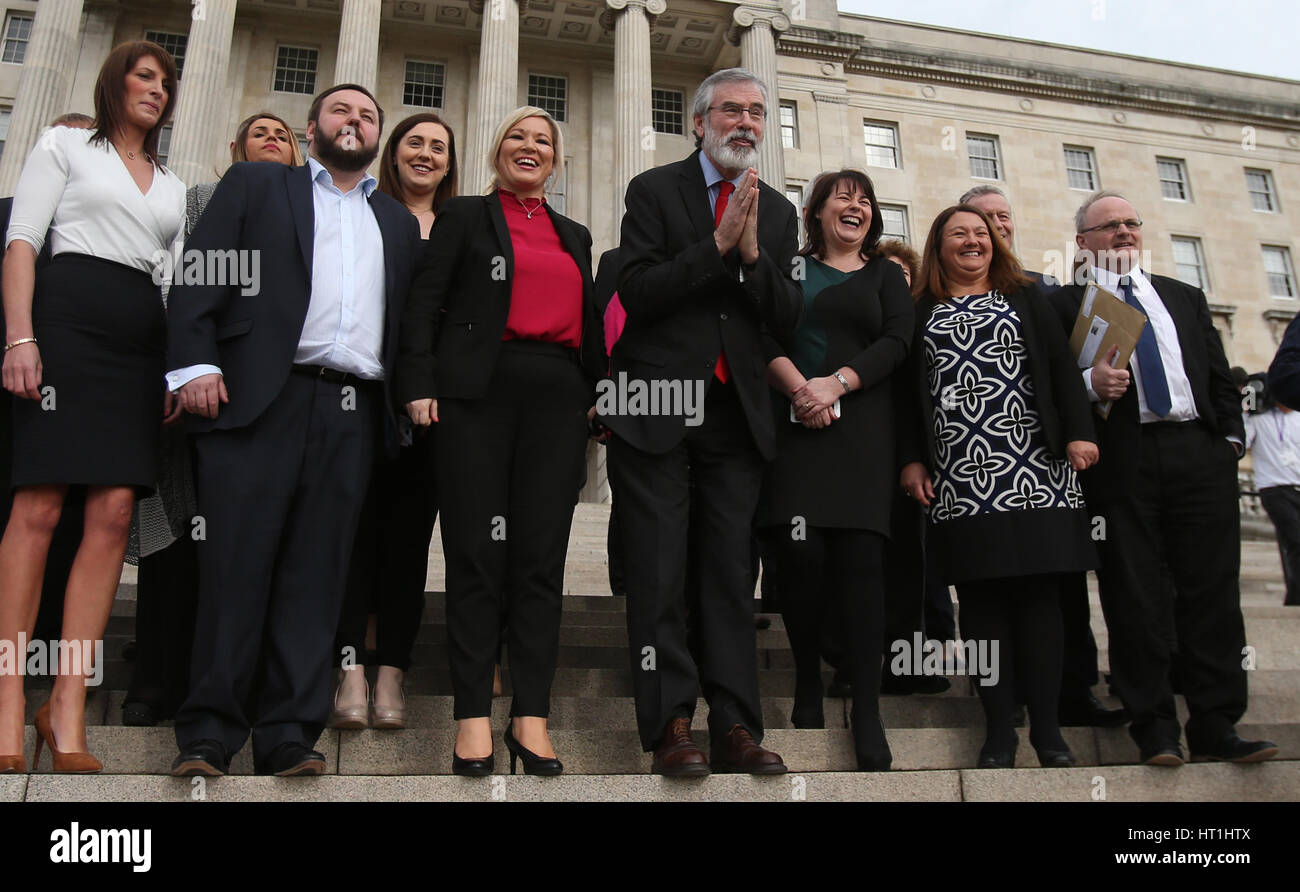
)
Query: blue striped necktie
[{"x": 1155, "y": 386}]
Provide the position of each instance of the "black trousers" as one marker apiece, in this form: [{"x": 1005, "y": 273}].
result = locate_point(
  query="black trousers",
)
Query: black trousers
[
  {"x": 839, "y": 572},
  {"x": 165, "y": 604},
  {"x": 1022, "y": 615},
  {"x": 1184, "y": 507},
  {"x": 509, "y": 467},
  {"x": 390, "y": 558},
  {"x": 1283, "y": 506},
  {"x": 1079, "y": 647},
  {"x": 659, "y": 511},
  {"x": 280, "y": 500}
]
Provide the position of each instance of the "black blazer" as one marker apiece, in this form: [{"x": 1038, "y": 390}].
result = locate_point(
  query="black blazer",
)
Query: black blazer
[
  {"x": 607, "y": 270},
  {"x": 1060, "y": 399},
  {"x": 460, "y": 301},
  {"x": 1284, "y": 371},
  {"x": 685, "y": 304},
  {"x": 1218, "y": 402},
  {"x": 252, "y": 338}
]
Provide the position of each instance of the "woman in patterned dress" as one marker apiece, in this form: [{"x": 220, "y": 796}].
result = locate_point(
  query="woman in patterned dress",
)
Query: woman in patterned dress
[{"x": 990, "y": 441}]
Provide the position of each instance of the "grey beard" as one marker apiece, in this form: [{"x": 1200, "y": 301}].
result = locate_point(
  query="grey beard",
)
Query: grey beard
[{"x": 717, "y": 148}]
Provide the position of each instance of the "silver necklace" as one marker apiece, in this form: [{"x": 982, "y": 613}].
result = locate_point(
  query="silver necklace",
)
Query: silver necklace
[{"x": 540, "y": 202}]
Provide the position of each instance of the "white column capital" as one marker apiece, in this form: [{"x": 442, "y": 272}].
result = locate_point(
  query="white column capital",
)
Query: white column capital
[
  {"x": 746, "y": 17},
  {"x": 477, "y": 6},
  {"x": 613, "y": 8}
]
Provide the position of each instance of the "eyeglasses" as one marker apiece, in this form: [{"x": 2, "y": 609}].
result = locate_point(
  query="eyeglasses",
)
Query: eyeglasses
[
  {"x": 732, "y": 111},
  {"x": 1113, "y": 226}
]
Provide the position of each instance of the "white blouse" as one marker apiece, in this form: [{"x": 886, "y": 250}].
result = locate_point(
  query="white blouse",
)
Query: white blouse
[{"x": 83, "y": 194}]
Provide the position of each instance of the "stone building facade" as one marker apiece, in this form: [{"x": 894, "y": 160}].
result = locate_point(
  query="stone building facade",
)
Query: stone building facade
[{"x": 1210, "y": 158}]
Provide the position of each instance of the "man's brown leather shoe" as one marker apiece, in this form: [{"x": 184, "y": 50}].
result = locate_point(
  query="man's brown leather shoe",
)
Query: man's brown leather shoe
[
  {"x": 737, "y": 753},
  {"x": 677, "y": 755}
]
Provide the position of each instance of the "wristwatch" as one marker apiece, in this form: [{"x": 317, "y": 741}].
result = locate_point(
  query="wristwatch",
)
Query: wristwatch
[{"x": 844, "y": 381}]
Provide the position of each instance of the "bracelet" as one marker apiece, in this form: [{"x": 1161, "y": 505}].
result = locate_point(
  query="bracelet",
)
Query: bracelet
[
  {"x": 844, "y": 381},
  {"x": 19, "y": 343}
]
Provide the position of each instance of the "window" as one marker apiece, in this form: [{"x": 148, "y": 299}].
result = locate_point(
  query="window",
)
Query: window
[
  {"x": 1173, "y": 179},
  {"x": 1080, "y": 168},
  {"x": 985, "y": 161},
  {"x": 882, "y": 144},
  {"x": 895, "y": 219},
  {"x": 303, "y": 143},
  {"x": 4, "y": 127},
  {"x": 295, "y": 70},
  {"x": 1189, "y": 262},
  {"x": 667, "y": 111},
  {"x": 550, "y": 93},
  {"x": 1281, "y": 276},
  {"x": 423, "y": 84},
  {"x": 172, "y": 43},
  {"x": 789, "y": 126},
  {"x": 1262, "y": 195},
  {"x": 555, "y": 194},
  {"x": 164, "y": 143},
  {"x": 18, "y": 31}
]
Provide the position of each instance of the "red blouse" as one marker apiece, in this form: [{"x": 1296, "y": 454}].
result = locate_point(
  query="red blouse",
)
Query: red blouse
[{"x": 546, "y": 293}]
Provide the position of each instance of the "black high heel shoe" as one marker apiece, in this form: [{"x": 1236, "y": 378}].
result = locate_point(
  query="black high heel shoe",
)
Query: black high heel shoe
[
  {"x": 870, "y": 745},
  {"x": 998, "y": 757},
  {"x": 533, "y": 763},
  {"x": 472, "y": 767}
]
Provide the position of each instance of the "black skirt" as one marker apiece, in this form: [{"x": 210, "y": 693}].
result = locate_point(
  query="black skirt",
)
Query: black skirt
[{"x": 101, "y": 331}]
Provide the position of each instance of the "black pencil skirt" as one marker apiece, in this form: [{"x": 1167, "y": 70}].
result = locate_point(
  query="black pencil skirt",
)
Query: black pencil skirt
[{"x": 101, "y": 331}]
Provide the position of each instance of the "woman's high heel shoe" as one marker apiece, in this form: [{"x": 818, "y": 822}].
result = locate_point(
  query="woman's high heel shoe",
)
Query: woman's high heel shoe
[
  {"x": 64, "y": 763},
  {"x": 472, "y": 767},
  {"x": 13, "y": 765},
  {"x": 533, "y": 763}
]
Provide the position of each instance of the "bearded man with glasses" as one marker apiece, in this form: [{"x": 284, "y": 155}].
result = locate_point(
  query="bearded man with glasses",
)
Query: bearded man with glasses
[{"x": 1166, "y": 489}]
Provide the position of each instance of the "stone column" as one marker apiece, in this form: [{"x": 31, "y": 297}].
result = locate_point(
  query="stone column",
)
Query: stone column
[
  {"x": 46, "y": 83},
  {"x": 634, "y": 135},
  {"x": 498, "y": 84},
  {"x": 754, "y": 30},
  {"x": 96, "y": 43},
  {"x": 199, "y": 138},
  {"x": 358, "y": 57}
]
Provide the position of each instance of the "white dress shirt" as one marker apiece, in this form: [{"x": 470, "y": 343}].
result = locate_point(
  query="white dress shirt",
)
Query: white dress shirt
[
  {"x": 1274, "y": 440},
  {"x": 344, "y": 327},
  {"x": 1182, "y": 405},
  {"x": 85, "y": 197}
]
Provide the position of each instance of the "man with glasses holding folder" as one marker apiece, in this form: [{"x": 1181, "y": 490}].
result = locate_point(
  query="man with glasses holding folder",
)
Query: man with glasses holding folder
[{"x": 1166, "y": 489}]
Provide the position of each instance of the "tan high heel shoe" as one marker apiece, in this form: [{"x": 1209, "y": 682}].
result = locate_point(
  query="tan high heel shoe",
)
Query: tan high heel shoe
[
  {"x": 388, "y": 717},
  {"x": 64, "y": 763},
  {"x": 351, "y": 716},
  {"x": 13, "y": 765}
]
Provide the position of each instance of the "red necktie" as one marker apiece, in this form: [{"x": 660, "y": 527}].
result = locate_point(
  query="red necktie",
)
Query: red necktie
[{"x": 720, "y": 371}]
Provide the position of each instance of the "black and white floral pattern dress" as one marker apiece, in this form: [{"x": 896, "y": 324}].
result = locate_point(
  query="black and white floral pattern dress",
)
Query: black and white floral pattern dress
[{"x": 999, "y": 493}]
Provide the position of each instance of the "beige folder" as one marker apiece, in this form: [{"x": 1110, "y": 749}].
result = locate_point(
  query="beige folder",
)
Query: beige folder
[{"x": 1105, "y": 321}]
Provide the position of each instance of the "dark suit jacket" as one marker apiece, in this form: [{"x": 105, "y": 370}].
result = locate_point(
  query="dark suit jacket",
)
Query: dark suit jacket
[
  {"x": 1218, "y": 402},
  {"x": 1060, "y": 398},
  {"x": 460, "y": 302},
  {"x": 253, "y": 338},
  {"x": 685, "y": 303},
  {"x": 1284, "y": 372},
  {"x": 1046, "y": 284},
  {"x": 607, "y": 270}
]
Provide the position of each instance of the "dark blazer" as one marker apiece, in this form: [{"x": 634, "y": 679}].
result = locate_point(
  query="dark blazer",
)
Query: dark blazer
[
  {"x": 1218, "y": 402},
  {"x": 253, "y": 338},
  {"x": 1284, "y": 372},
  {"x": 460, "y": 301},
  {"x": 607, "y": 270},
  {"x": 1046, "y": 284},
  {"x": 685, "y": 304},
  {"x": 1060, "y": 399}
]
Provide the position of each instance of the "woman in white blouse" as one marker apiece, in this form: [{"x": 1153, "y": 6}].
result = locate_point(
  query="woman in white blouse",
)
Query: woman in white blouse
[{"x": 84, "y": 349}]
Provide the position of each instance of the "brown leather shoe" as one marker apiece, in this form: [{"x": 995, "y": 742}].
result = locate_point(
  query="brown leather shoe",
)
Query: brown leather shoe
[
  {"x": 737, "y": 753},
  {"x": 677, "y": 755}
]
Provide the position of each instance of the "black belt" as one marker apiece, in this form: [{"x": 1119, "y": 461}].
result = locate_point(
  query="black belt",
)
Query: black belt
[{"x": 334, "y": 376}]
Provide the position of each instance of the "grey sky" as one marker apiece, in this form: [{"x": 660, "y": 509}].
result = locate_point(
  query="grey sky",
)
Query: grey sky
[{"x": 1258, "y": 36}]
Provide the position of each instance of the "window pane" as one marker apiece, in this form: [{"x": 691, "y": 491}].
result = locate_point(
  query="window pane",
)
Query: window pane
[
  {"x": 550, "y": 93},
  {"x": 667, "y": 111},
  {"x": 172, "y": 43},
  {"x": 1187, "y": 260},
  {"x": 164, "y": 143},
  {"x": 4, "y": 128},
  {"x": 789, "y": 127},
  {"x": 983, "y": 151},
  {"x": 423, "y": 85},
  {"x": 1079, "y": 168},
  {"x": 295, "y": 70},
  {"x": 1173, "y": 179},
  {"x": 18, "y": 31},
  {"x": 1260, "y": 185},
  {"x": 1277, "y": 265},
  {"x": 895, "y": 222},
  {"x": 882, "y": 145}
]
